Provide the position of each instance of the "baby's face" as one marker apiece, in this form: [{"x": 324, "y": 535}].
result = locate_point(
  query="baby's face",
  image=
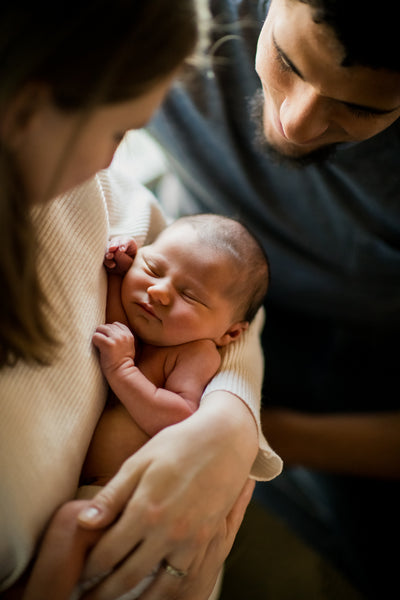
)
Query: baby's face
[{"x": 177, "y": 290}]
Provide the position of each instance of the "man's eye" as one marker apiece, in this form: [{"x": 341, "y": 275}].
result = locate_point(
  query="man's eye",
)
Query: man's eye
[
  {"x": 361, "y": 112},
  {"x": 283, "y": 65},
  {"x": 281, "y": 60}
]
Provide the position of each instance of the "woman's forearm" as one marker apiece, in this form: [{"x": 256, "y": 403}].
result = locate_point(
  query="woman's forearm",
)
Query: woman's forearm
[
  {"x": 241, "y": 375},
  {"x": 224, "y": 416},
  {"x": 359, "y": 444}
]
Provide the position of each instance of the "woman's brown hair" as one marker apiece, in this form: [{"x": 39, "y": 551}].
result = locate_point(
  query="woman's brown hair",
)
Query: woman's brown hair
[{"x": 89, "y": 53}]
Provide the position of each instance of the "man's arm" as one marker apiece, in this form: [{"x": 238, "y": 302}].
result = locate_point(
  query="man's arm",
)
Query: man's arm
[{"x": 357, "y": 444}]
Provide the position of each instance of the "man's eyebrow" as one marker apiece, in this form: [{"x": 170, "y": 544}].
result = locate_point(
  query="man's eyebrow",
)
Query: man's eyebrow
[{"x": 351, "y": 105}]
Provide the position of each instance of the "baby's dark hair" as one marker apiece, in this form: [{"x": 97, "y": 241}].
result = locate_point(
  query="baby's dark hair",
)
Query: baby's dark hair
[{"x": 232, "y": 237}]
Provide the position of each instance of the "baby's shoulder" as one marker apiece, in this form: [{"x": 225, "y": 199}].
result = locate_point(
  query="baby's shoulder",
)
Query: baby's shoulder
[
  {"x": 204, "y": 351},
  {"x": 199, "y": 347}
]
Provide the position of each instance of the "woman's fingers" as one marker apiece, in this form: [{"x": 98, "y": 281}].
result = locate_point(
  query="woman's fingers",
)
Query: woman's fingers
[
  {"x": 202, "y": 574},
  {"x": 59, "y": 562},
  {"x": 147, "y": 521},
  {"x": 183, "y": 574},
  {"x": 124, "y": 579},
  {"x": 202, "y": 578},
  {"x": 107, "y": 505},
  {"x": 169, "y": 505}
]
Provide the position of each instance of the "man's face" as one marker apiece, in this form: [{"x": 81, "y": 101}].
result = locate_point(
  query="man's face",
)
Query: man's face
[{"x": 310, "y": 102}]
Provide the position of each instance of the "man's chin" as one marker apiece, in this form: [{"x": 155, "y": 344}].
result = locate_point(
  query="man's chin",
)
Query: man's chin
[{"x": 289, "y": 156}]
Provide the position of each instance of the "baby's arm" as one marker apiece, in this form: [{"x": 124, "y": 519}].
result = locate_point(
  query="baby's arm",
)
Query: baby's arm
[
  {"x": 117, "y": 260},
  {"x": 114, "y": 309},
  {"x": 152, "y": 407}
]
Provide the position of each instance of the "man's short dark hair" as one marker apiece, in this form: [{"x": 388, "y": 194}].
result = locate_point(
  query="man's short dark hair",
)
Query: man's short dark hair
[{"x": 368, "y": 30}]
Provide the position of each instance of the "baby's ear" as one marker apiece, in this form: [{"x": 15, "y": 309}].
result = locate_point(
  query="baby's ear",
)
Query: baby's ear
[{"x": 233, "y": 333}]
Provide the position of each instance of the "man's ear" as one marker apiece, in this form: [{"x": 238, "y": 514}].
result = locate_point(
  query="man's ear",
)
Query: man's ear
[
  {"x": 18, "y": 114},
  {"x": 233, "y": 333}
]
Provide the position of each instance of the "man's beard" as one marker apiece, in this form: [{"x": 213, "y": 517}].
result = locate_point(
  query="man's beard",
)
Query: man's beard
[{"x": 262, "y": 144}]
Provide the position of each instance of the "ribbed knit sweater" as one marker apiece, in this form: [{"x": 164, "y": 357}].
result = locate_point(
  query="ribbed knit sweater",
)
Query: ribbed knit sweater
[{"x": 48, "y": 414}]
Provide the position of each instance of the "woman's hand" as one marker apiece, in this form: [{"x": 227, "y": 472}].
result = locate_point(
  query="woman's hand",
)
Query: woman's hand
[
  {"x": 174, "y": 501},
  {"x": 58, "y": 566}
]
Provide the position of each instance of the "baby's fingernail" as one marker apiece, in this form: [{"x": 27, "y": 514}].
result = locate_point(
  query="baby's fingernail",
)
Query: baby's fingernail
[{"x": 89, "y": 515}]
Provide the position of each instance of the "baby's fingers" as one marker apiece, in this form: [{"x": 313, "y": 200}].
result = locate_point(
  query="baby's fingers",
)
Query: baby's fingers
[
  {"x": 117, "y": 243},
  {"x": 109, "y": 260}
]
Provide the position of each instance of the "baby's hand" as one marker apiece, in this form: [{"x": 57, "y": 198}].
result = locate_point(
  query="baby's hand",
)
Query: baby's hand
[
  {"x": 119, "y": 255},
  {"x": 116, "y": 345}
]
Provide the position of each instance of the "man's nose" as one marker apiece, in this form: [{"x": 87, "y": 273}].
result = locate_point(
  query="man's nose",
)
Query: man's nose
[
  {"x": 304, "y": 115},
  {"x": 160, "y": 293}
]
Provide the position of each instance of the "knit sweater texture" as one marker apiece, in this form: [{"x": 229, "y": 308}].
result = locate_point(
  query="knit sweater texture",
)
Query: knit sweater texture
[{"x": 48, "y": 413}]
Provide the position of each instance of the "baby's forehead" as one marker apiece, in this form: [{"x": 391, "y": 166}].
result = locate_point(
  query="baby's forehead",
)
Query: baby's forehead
[
  {"x": 178, "y": 229},
  {"x": 181, "y": 239},
  {"x": 193, "y": 256}
]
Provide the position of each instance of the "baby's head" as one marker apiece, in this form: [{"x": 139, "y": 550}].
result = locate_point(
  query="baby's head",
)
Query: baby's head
[
  {"x": 204, "y": 277},
  {"x": 249, "y": 275}
]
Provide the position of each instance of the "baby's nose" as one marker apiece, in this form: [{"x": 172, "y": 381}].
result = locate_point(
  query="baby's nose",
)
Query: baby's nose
[{"x": 159, "y": 293}]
